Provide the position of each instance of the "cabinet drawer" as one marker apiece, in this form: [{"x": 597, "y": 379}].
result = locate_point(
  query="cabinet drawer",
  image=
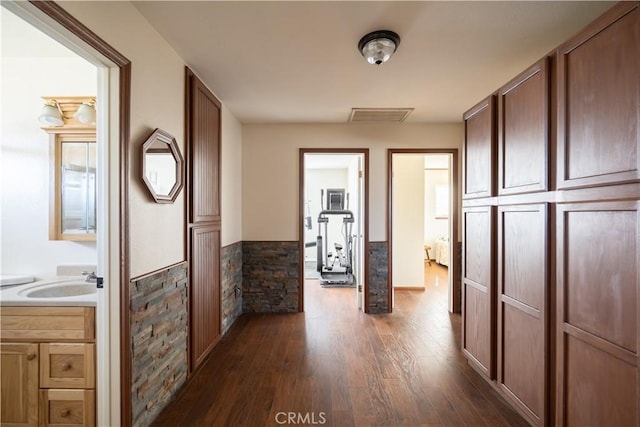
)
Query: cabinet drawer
[
  {"x": 20, "y": 324},
  {"x": 67, "y": 365},
  {"x": 67, "y": 408}
]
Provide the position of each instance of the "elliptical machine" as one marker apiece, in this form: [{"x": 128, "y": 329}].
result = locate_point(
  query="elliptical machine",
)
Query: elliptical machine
[{"x": 335, "y": 269}]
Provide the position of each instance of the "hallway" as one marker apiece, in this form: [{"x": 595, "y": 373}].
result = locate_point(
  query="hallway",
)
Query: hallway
[{"x": 336, "y": 364}]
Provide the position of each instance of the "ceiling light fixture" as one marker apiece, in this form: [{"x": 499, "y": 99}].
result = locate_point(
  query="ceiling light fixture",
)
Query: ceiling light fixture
[{"x": 378, "y": 46}]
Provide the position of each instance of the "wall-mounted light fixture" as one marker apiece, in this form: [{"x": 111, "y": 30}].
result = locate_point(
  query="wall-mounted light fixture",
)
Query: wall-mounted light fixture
[
  {"x": 68, "y": 112},
  {"x": 51, "y": 114},
  {"x": 378, "y": 46},
  {"x": 86, "y": 113}
]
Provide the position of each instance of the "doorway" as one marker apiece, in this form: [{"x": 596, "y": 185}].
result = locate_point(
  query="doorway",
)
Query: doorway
[
  {"x": 112, "y": 170},
  {"x": 422, "y": 224},
  {"x": 333, "y": 223}
]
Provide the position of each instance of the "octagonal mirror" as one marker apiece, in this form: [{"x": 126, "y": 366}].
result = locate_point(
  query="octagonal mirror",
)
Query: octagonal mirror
[{"x": 162, "y": 166}]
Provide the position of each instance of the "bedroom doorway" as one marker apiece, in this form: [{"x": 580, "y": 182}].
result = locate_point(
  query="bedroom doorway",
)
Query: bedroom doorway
[
  {"x": 423, "y": 224},
  {"x": 333, "y": 223}
]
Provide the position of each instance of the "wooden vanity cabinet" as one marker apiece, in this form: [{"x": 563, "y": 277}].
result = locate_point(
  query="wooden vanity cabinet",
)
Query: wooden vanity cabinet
[
  {"x": 19, "y": 384},
  {"x": 47, "y": 357}
]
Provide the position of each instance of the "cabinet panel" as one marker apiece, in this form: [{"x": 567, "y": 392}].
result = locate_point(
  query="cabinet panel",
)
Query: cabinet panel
[
  {"x": 523, "y": 120},
  {"x": 600, "y": 283},
  {"x": 522, "y": 308},
  {"x": 522, "y": 358},
  {"x": 477, "y": 250},
  {"x": 477, "y": 327},
  {"x": 597, "y": 321},
  {"x": 67, "y": 365},
  {"x": 599, "y": 101},
  {"x": 67, "y": 408},
  {"x": 478, "y": 292},
  {"x": 205, "y": 291},
  {"x": 600, "y": 390},
  {"x": 523, "y": 253},
  {"x": 19, "y": 385},
  {"x": 203, "y": 163},
  {"x": 478, "y": 155}
]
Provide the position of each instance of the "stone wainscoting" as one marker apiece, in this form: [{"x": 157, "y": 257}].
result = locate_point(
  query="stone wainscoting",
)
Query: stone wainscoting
[
  {"x": 378, "y": 277},
  {"x": 231, "y": 273},
  {"x": 158, "y": 311},
  {"x": 270, "y": 277}
]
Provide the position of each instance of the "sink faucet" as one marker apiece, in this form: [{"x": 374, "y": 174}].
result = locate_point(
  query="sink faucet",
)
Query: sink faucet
[{"x": 91, "y": 276}]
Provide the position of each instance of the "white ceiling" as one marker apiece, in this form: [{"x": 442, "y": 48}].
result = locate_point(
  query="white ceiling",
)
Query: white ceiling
[
  {"x": 298, "y": 61},
  {"x": 328, "y": 161}
]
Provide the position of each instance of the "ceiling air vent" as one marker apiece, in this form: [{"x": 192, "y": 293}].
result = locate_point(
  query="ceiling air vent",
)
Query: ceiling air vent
[{"x": 386, "y": 115}]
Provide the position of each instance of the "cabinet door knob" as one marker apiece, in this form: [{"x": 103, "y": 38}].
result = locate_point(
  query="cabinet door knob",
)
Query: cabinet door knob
[
  {"x": 65, "y": 413},
  {"x": 31, "y": 356},
  {"x": 66, "y": 366}
]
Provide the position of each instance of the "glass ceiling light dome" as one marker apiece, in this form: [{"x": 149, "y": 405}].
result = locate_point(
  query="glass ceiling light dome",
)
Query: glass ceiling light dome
[{"x": 378, "y": 46}]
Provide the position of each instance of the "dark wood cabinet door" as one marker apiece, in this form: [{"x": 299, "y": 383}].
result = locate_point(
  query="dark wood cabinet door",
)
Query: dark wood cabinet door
[
  {"x": 597, "y": 327},
  {"x": 478, "y": 150},
  {"x": 204, "y": 158},
  {"x": 599, "y": 101},
  {"x": 205, "y": 292},
  {"x": 203, "y": 229},
  {"x": 522, "y": 279},
  {"x": 523, "y": 132},
  {"x": 478, "y": 291}
]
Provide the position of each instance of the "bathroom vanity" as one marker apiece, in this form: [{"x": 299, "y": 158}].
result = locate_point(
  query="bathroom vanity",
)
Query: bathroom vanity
[{"x": 48, "y": 354}]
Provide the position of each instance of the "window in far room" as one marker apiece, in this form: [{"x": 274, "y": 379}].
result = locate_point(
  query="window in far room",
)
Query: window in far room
[{"x": 442, "y": 201}]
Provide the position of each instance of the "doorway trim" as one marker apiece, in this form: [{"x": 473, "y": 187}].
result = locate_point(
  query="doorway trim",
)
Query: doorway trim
[
  {"x": 88, "y": 38},
  {"x": 456, "y": 292},
  {"x": 365, "y": 153}
]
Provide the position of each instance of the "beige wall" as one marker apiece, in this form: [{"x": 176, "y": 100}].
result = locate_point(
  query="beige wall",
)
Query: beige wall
[
  {"x": 408, "y": 220},
  {"x": 231, "y": 174},
  {"x": 157, "y": 232},
  {"x": 270, "y": 168}
]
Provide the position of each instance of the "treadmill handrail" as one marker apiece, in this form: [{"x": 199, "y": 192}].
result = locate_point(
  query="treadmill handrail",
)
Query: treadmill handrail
[{"x": 336, "y": 212}]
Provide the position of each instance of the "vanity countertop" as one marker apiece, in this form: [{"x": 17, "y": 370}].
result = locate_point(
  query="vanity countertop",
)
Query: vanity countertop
[{"x": 56, "y": 291}]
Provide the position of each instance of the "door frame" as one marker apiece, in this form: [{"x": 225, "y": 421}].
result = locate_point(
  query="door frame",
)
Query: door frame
[
  {"x": 56, "y": 22},
  {"x": 301, "y": 213},
  {"x": 453, "y": 195}
]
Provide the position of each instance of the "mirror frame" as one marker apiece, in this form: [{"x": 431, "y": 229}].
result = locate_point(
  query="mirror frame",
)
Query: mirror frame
[
  {"x": 55, "y": 184},
  {"x": 162, "y": 136}
]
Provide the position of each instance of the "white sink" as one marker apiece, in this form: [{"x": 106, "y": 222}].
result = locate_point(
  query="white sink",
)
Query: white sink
[{"x": 59, "y": 290}]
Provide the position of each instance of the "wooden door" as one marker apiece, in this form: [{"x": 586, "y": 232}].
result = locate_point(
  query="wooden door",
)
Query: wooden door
[
  {"x": 522, "y": 308},
  {"x": 203, "y": 206},
  {"x": 599, "y": 101},
  {"x": 479, "y": 149},
  {"x": 598, "y": 288},
  {"x": 478, "y": 291},
  {"x": 19, "y": 385}
]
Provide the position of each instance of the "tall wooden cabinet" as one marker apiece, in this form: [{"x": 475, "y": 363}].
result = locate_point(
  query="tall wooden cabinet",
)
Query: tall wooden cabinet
[
  {"x": 562, "y": 276},
  {"x": 203, "y": 228}
]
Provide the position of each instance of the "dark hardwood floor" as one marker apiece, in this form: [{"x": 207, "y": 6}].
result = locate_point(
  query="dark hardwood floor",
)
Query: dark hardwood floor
[{"x": 335, "y": 364}]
